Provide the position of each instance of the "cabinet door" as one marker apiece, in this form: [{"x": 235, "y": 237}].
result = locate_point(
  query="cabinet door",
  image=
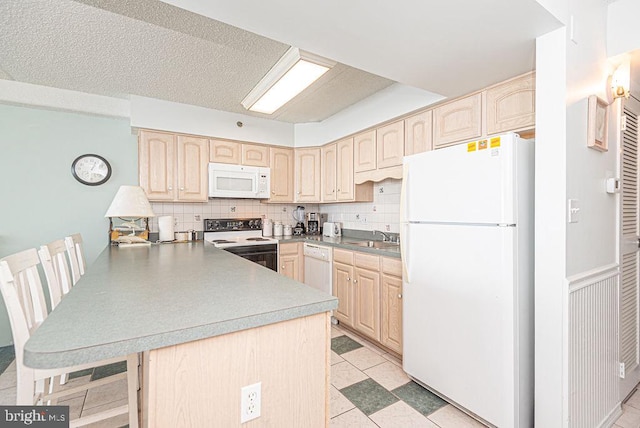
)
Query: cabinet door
[
  {"x": 364, "y": 149},
  {"x": 193, "y": 156},
  {"x": 156, "y": 165},
  {"x": 457, "y": 121},
  {"x": 255, "y": 155},
  {"x": 289, "y": 266},
  {"x": 390, "y": 144},
  {"x": 512, "y": 105},
  {"x": 391, "y": 317},
  {"x": 223, "y": 151},
  {"x": 417, "y": 133},
  {"x": 308, "y": 175},
  {"x": 367, "y": 299},
  {"x": 345, "y": 183},
  {"x": 329, "y": 162},
  {"x": 343, "y": 290},
  {"x": 281, "y": 163}
]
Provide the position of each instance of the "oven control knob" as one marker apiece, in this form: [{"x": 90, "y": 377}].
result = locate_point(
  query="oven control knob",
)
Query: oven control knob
[{"x": 251, "y": 224}]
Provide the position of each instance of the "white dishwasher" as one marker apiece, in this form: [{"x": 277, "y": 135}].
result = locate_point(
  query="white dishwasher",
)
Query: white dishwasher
[{"x": 317, "y": 267}]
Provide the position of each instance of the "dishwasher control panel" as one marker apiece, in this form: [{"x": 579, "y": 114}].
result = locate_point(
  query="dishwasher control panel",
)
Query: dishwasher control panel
[{"x": 317, "y": 251}]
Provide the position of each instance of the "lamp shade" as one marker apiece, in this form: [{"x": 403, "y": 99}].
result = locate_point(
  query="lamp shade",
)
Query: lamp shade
[{"x": 130, "y": 201}]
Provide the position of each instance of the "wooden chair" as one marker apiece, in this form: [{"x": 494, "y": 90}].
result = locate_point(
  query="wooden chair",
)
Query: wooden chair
[
  {"x": 56, "y": 270},
  {"x": 24, "y": 298},
  {"x": 75, "y": 249}
]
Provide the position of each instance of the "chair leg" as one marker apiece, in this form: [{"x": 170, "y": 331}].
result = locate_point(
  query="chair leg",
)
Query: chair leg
[
  {"x": 132, "y": 389},
  {"x": 25, "y": 388}
]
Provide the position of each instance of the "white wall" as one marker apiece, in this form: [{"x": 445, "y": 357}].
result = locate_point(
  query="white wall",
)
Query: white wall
[
  {"x": 388, "y": 103},
  {"x": 169, "y": 116},
  {"x": 623, "y": 31}
]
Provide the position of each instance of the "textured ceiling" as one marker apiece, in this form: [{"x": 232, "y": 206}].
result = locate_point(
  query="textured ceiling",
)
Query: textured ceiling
[{"x": 152, "y": 49}]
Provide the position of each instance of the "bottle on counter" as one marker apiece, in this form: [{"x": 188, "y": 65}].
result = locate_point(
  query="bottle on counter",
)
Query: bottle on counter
[
  {"x": 277, "y": 228},
  {"x": 267, "y": 227}
]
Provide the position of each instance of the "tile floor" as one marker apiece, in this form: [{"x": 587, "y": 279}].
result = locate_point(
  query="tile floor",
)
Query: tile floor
[{"x": 368, "y": 389}]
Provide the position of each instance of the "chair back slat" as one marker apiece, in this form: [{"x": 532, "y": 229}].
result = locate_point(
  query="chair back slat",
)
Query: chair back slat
[
  {"x": 56, "y": 269},
  {"x": 75, "y": 249}
]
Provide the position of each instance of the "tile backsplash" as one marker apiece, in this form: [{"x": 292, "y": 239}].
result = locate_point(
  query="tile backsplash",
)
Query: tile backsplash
[
  {"x": 191, "y": 215},
  {"x": 381, "y": 214}
]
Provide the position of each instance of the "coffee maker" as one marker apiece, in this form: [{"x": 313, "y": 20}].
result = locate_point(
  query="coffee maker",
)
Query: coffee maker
[{"x": 313, "y": 228}]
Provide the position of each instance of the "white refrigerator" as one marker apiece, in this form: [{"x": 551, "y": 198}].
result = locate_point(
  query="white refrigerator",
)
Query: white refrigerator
[{"x": 467, "y": 251}]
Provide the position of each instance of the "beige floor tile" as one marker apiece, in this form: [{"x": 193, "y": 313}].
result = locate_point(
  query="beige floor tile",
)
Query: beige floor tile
[
  {"x": 363, "y": 358},
  {"x": 75, "y": 406},
  {"x": 395, "y": 360},
  {"x": 352, "y": 419},
  {"x": 72, "y": 384},
  {"x": 388, "y": 375},
  {"x": 628, "y": 420},
  {"x": 627, "y": 408},
  {"x": 339, "y": 403},
  {"x": 106, "y": 394},
  {"x": 116, "y": 421},
  {"x": 400, "y": 414},
  {"x": 9, "y": 377},
  {"x": 634, "y": 400},
  {"x": 335, "y": 358},
  {"x": 344, "y": 374},
  {"x": 450, "y": 417},
  {"x": 8, "y": 396},
  {"x": 335, "y": 332}
]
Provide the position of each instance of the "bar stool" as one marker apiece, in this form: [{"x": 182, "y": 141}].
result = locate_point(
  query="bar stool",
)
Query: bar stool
[
  {"x": 56, "y": 270},
  {"x": 75, "y": 248},
  {"x": 24, "y": 298}
]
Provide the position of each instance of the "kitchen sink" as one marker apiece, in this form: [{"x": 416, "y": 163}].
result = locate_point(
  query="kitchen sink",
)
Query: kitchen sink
[{"x": 375, "y": 244}]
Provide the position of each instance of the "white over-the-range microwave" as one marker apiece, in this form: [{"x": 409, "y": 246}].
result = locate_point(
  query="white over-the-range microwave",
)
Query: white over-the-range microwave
[{"x": 238, "y": 181}]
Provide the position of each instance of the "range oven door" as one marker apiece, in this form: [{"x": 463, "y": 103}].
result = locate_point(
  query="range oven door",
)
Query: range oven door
[{"x": 265, "y": 255}]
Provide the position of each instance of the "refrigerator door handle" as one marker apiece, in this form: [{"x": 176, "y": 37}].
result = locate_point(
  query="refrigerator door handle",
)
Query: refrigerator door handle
[
  {"x": 404, "y": 256},
  {"x": 403, "y": 193}
]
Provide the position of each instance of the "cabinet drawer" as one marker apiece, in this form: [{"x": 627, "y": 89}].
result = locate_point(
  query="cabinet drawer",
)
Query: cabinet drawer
[
  {"x": 343, "y": 256},
  {"x": 289, "y": 248},
  {"x": 391, "y": 266},
  {"x": 367, "y": 261}
]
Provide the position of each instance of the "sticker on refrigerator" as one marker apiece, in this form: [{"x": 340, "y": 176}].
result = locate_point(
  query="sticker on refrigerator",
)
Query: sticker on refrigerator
[
  {"x": 482, "y": 145},
  {"x": 471, "y": 147},
  {"x": 495, "y": 142}
]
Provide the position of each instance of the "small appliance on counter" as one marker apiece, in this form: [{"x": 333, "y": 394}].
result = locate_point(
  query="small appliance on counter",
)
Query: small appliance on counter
[
  {"x": 165, "y": 228},
  {"x": 332, "y": 230},
  {"x": 298, "y": 215},
  {"x": 315, "y": 222}
]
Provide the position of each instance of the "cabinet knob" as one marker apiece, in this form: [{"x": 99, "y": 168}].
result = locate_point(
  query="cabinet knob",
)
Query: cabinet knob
[
  {"x": 348, "y": 279},
  {"x": 399, "y": 296},
  {"x": 182, "y": 188},
  {"x": 355, "y": 281},
  {"x": 170, "y": 187},
  {"x": 282, "y": 266},
  {"x": 273, "y": 192}
]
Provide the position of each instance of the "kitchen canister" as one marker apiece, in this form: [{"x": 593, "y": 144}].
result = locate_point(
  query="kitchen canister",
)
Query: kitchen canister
[
  {"x": 287, "y": 230},
  {"x": 277, "y": 228},
  {"x": 267, "y": 227}
]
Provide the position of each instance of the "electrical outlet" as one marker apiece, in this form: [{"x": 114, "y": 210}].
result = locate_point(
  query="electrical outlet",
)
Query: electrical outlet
[
  {"x": 196, "y": 217},
  {"x": 250, "y": 401},
  {"x": 175, "y": 221}
]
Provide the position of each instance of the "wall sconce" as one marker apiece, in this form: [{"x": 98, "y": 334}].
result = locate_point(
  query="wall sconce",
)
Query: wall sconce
[
  {"x": 619, "y": 83},
  {"x": 292, "y": 74}
]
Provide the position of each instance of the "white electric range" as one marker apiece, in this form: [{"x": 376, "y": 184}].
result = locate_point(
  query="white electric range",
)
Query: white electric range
[{"x": 244, "y": 238}]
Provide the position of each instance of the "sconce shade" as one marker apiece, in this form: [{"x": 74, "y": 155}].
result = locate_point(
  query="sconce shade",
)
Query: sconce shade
[
  {"x": 130, "y": 202},
  {"x": 620, "y": 81}
]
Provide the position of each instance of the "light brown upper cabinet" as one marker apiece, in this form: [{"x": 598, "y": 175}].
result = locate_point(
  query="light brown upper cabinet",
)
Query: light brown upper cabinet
[
  {"x": 255, "y": 155},
  {"x": 364, "y": 148},
  {"x": 417, "y": 133},
  {"x": 511, "y": 106},
  {"x": 345, "y": 185},
  {"x": 457, "y": 121},
  {"x": 173, "y": 167},
  {"x": 308, "y": 174},
  {"x": 390, "y": 145},
  {"x": 281, "y": 163},
  {"x": 329, "y": 166},
  {"x": 224, "y": 151}
]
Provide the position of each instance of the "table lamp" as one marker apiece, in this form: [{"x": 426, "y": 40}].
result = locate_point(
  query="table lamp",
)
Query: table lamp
[{"x": 130, "y": 205}]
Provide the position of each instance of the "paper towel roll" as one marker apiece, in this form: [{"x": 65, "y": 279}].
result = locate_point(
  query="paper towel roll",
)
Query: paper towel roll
[{"x": 165, "y": 227}]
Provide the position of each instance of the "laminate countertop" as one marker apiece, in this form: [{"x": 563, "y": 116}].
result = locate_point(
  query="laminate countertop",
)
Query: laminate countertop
[{"x": 137, "y": 299}]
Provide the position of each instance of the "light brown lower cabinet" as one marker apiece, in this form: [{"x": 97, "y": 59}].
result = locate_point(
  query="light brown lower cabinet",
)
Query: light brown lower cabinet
[
  {"x": 369, "y": 292},
  {"x": 290, "y": 260}
]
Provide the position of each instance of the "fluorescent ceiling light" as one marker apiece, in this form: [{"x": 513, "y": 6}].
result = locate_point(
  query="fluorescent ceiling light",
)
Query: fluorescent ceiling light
[{"x": 294, "y": 72}]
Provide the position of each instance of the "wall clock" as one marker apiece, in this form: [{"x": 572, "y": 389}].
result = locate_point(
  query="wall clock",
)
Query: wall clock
[{"x": 92, "y": 170}]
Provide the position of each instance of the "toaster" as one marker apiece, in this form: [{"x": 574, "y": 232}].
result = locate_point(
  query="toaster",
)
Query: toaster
[{"x": 331, "y": 230}]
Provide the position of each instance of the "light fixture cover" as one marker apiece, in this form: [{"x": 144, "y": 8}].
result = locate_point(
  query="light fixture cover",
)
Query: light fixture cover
[
  {"x": 294, "y": 72},
  {"x": 130, "y": 202}
]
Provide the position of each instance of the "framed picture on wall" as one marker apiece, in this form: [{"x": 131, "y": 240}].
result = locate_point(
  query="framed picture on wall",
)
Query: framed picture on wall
[{"x": 598, "y": 124}]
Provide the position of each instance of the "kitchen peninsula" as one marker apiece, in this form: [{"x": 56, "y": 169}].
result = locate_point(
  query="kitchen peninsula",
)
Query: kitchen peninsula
[{"x": 211, "y": 322}]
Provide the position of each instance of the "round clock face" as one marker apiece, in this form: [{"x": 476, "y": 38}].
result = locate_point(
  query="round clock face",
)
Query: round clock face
[{"x": 91, "y": 170}]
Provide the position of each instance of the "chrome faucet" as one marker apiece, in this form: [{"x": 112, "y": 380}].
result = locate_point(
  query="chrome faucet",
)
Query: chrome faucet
[{"x": 385, "y": 236}]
